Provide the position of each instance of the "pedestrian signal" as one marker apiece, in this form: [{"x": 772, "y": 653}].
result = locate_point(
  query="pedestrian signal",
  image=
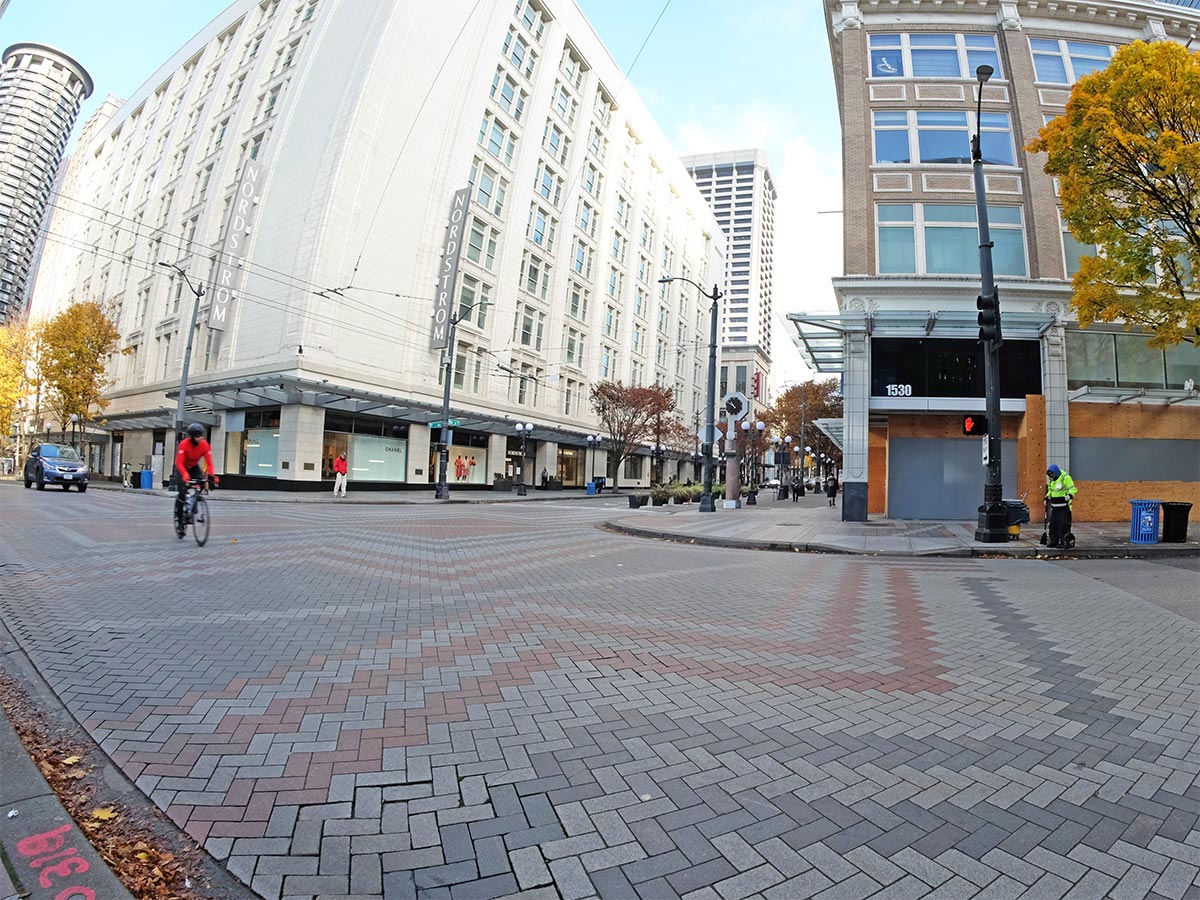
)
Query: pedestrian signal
[{"x": 975, "y": 424}]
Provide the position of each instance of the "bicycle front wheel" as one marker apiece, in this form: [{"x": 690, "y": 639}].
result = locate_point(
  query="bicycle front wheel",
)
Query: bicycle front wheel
[{"x": 200, "y": 521}]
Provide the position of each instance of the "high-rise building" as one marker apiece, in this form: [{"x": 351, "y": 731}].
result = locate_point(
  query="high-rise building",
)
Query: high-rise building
[
  {"x": 741, "y": 192},
  {"x": 41, "y": 89},
  {"x": 1120, "y": 415},
  {"x": 299, "y": 160}
]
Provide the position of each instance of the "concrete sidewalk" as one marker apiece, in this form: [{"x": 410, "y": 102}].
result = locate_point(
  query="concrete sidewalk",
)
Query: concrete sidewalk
[
  {"x": 810, "y": 525},
  {"x": 806, "y": 525}
]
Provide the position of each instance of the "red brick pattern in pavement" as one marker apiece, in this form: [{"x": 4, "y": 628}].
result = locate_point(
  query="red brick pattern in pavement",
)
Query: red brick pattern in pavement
[{"x": 432, "y": 702}]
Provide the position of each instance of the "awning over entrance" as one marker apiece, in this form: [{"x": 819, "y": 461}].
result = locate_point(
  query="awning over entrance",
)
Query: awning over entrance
[
  {"x": 1169, "y": 396},
  {"x": 287, "y": 390},
  {"x": 162, "y": 418},
  {"x": 833, "y": 429},
  {"x": 819, "y": 336}
]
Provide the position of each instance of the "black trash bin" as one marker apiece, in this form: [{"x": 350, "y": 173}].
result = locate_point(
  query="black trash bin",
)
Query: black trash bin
[
  {"x": 1175, "y": 522},
  {"x": 1018, "y": 515}
]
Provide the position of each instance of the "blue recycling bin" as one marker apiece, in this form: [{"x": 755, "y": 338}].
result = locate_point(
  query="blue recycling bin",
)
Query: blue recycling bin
[
  {"x": 1143, "y": 528},
  {"x": 591, "y": 489},
  {"x": 147, "y": 479}
]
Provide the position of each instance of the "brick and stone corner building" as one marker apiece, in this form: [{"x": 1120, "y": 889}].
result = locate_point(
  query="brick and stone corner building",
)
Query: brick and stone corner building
[{"x": 1121, "y": 417}]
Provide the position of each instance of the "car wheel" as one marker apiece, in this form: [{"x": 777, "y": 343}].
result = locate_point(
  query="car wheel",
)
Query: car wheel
[
  {"x": 28, "y": 483},
  {"x": 82, "y": 488},
  {"x": 41, "y": 482}
]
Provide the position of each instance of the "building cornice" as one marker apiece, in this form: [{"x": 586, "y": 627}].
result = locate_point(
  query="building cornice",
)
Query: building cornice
[{"x": 1155, "y": 20}]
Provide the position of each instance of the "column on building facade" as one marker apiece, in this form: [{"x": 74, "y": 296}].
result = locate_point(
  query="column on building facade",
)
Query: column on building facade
[
  {"x": 856, "y": 403},
  {"x": 545, "y": 457},
  {"x": 1054, "y": 387},
  {"x": 216, "y": 438},
  {"x": 418, "y": 455},
  {"x": 1043, "y": 232},
  {"x": 301, "y": 441}
]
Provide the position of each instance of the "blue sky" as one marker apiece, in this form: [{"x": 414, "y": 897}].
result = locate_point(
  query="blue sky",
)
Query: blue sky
[{"x": 716, "y": 75}]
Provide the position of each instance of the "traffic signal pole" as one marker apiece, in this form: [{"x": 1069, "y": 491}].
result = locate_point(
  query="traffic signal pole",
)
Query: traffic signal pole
[{"x": 992, "y": 527}]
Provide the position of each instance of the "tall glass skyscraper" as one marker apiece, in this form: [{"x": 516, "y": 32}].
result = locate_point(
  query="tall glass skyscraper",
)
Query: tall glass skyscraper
[{"x": 41, "y": 89}]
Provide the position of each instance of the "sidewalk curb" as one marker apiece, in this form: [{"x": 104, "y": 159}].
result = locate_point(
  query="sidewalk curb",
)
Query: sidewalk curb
[
  {"x": 1149, "y": 551},
  {"x": 15, "y": 662},
  {"x": 317, "y": 496}
]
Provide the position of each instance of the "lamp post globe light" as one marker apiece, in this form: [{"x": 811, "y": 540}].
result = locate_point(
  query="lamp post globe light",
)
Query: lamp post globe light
[
  {"x": 441, "y": 490},
  {"x": 992, "y": 527},
  {"x": 198, "y": 292},
  {"x": 710, "y": 426},
  {"x": 523, "y": 429}
]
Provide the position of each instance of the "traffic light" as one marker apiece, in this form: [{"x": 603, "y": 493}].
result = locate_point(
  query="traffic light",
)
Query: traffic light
[
  {"x": 989, "y": 317},
  {"x": 975, "y": 424}
]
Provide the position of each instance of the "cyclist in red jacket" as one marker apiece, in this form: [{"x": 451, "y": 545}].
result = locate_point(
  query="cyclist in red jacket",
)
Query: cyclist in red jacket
[{"x": 192, "y": 450}]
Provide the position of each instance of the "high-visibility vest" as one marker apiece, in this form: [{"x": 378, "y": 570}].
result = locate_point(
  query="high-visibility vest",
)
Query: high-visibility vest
[{"x": 1061, "y": 488}]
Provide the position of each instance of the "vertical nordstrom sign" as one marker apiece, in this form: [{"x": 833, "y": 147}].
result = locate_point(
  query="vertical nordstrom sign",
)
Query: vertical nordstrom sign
[
  {"x": 447, "y": 274},
  {"x": 229, "y": 264}
]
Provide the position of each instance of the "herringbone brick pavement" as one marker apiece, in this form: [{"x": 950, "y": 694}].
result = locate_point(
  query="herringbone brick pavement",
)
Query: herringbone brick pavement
[{"x": 451, "y": 702}]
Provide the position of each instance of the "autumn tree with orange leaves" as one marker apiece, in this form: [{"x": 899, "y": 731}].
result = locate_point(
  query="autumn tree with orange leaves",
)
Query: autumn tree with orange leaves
[{"x": 1127, "y": 154}]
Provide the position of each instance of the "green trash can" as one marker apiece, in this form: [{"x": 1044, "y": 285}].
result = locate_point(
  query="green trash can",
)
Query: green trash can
[{"x": 1175, "y": 522}]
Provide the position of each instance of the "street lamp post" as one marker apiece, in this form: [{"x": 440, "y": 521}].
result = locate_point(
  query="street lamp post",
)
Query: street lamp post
[
  {"x": 992, "y": 527},
  {"x": 752, "y": 460},
  {"x": 523, "y": 430},
  {"x": 74, "y": 423},
  {"x": 593, "y": 442},
  {"x": 198, "y": 291},
  {"x": 441, "y": 490},
  {"x": 706, "y": 498}
]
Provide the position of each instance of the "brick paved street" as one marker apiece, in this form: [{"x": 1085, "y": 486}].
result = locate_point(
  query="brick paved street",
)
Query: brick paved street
[{"x": 479, "y": 701}]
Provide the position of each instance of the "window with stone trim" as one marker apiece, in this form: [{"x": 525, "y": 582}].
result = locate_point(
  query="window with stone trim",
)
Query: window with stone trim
[
  {"x": 932, "y": 55},
  {"x": 943, "y": 239}
]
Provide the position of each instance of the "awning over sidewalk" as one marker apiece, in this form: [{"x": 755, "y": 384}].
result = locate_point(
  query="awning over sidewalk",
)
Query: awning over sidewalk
[{"x": 820, "y": 336}]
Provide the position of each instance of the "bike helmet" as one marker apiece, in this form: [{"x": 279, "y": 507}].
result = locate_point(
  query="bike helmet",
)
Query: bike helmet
[{"x": 196, "y": 430}]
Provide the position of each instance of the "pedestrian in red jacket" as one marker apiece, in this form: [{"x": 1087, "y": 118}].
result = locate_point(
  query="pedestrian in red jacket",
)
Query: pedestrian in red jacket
[{"x": 339, "y": 474}]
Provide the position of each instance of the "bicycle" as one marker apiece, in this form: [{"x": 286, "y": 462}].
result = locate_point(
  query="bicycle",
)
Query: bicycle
[{"x": 195, "y": 513}]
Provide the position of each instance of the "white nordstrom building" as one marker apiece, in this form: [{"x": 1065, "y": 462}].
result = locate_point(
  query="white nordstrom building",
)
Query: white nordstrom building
[{"x": 347, "y": 126}]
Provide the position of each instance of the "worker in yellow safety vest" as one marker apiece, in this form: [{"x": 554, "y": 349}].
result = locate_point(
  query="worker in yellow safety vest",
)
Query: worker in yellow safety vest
[{"x": 1060, "y": 493}]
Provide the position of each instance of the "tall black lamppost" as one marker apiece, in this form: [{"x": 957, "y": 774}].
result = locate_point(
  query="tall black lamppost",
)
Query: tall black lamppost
[
  {"x": 993, "y": 515},
  {"x": 593, "y": 442},
  {"x": 706, "y": 498},
  {"x": 198, "y": 291},
  {"x": 441, "y": 490},
  {"x": 656, "y": 455},
  {"x": 523, "y": 429}
]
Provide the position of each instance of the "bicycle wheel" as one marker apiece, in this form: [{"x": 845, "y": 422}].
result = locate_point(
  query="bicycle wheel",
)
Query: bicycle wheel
[{"x": 200, "y": 521}]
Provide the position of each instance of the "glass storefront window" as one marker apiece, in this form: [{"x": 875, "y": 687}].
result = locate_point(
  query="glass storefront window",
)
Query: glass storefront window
[
  {"x": 262, "y": 451},
  {"x": 467, "y": 465},
  {"x": 1091, "y": 359},
  {"x": 1137, "y": 364},
  {"x": 1183, "y": 362},
  {"x": 373, "y": 458}
]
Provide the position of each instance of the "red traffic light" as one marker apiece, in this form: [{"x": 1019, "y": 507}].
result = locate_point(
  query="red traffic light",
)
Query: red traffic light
[{"x": 975, "y": 424}]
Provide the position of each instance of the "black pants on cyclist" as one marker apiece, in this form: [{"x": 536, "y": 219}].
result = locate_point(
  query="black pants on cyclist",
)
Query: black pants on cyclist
[{"x": 195, "y": 473}]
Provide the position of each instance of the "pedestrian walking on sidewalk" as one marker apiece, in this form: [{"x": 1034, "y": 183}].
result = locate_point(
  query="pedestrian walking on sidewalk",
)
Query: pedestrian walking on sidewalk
[
  {"x": 831, "y": 489},
  {"x": 796, "y": 488},
  {"x": 339, "y": 475},
  {"x": 1060, "y": 495}
]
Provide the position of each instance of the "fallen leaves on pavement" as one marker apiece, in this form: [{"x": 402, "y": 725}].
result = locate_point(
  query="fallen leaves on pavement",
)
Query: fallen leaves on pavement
[{"x": 113, "y": 829}]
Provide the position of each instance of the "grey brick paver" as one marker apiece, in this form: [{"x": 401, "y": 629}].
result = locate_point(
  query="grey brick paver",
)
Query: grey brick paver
[{"x": 521, "y": 700}]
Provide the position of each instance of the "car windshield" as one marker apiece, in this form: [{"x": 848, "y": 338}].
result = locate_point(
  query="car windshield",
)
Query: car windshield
[{"x": 61, "y": 452}]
